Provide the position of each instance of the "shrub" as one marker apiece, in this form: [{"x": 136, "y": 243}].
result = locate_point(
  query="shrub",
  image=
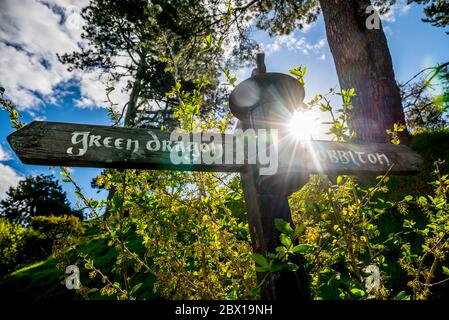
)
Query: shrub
[
  {"x": 46, "y": 232},
  {"x": 11, "y": 245}
]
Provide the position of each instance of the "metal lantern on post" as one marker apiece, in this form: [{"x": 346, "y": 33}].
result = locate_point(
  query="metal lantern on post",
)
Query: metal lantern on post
[{"x": 267, "y": 101}]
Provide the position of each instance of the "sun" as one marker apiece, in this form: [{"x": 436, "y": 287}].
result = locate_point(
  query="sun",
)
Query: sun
[{"x": 303, "y": 124}]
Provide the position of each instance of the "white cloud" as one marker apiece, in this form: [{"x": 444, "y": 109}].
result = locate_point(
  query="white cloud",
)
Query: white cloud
[
  {"x": 31, "y": 33},
  {"x": 4, "y": 155},
  {"x": 400, "y": 8},
  {"x": 292, "y": 43},
  {"x": 8, "y": 176},
  {"x": 405, "y": 8},
  {"x": 306, "y": 27},
  {"x": 388, "y": 30}
]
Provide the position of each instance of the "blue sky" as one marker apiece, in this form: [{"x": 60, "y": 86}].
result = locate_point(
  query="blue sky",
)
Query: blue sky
[{"x": 33, "y": 31}]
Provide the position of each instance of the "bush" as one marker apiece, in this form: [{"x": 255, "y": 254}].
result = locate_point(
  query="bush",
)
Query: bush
[
  {"x": 47, "y": 232},
  {"x": 11, "y": 245}
]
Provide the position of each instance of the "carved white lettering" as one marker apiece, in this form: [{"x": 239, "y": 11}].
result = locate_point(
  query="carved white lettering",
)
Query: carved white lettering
[
  {"x": 118, "y": 143},
  {"x": 166, "y": 145},
  {"x": 372, "y": 158},
  {"x": 333, "y": 156},
  {"x": 94, "y": 140},
  {"x": 353, "y": 158},
  {"x": 75, "y": 140},
  {"x": 359, "y": 154},
  {"x": 342, "y": 156},
  {"x": 107, "y": 141},
  {"x": 382, "y": 157},
  {"x": 154, "y": 144},
  {"x": 129, "y": 143}
]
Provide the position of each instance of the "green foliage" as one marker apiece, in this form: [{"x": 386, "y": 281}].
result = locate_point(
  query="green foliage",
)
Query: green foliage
[
  {"x": 11, "y": 245},
  {"x": 35, "y": 196},
  {"x": 339, "y": 127},
  {"x": 46, "y": 234},
  {"x": 425, "y": 98},
  {"x": 193, "y": 234},
  {"x": 45, "y": 280},
  {"x": 299, "y": 72},
  {"x": 14, "y": 116},
  {"x": 152, "y": 45},
  {"x": 282, "y": 17},
  {"x": 358, "y": 241},
  {"x": 437, "y": 12},
  {"x": 187, "y": 232},
  {"x": 424, "y": 265},
  {"x": 42, "y": 236},
  {"x": 394, "y": 133}
]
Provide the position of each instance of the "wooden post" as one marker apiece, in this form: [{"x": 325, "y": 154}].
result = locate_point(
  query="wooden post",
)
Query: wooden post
[{"x": 264, "y": 206}]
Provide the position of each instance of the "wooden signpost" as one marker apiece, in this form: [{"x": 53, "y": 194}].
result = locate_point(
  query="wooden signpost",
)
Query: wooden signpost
[
  {"x": 81, "y": 145},
  {"x": 257, "y": 102}
]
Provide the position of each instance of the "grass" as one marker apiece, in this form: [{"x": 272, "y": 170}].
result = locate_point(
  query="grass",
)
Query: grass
[{"x": 42, "y": 280}]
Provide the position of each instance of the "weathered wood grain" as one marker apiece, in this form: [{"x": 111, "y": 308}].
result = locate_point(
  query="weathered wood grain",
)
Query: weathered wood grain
[{"x": 48, "y": 143}]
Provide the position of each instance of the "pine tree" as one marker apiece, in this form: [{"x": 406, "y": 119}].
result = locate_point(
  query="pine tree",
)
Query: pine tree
[{"x": 35, "y": 196}]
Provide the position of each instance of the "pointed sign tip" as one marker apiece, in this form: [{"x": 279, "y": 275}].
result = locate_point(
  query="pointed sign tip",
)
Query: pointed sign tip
[{"x": 14, "y": 139}]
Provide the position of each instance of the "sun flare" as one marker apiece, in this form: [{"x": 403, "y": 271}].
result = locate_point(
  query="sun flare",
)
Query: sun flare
[{"x": 303, "y": 125}]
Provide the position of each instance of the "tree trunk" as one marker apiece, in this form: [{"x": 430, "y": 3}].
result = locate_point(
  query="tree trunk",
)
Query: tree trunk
[
  {"x": 131, "y": 110},
  {"x": 363, "y": 62},
  {"x": 130, "y": 118}
]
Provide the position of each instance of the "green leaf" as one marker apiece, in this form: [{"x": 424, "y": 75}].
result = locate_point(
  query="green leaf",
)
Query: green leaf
[
  {"x": 260, "y": 260},
  {"x": 401, "y": 295},
  {"x": 283, "y": 226},
  {"x": 295, "y": 72},
  {"x": 408, "y": 198},
  {"x": 358, "y": 293},
  {"x": 422, "y": 200},
  {"x": 92, "y": 290},
  {"x": 324, "y": 108},
  {"x": 261, "y": 269},
  {"x": 276, "y": 266},
  {"x": 117, "y": 201},
  {"x": 304, "y": 71},
  {"x": 281, "y": 250},
  {"x": 339, "y": 180},
  {"x": 446, "y": 270},
  {"x": 300, "y": 229},
  {"x": 291, "y": 266},
  {"x": 135, "y": 288},
  {"x": 285, "y": 240},
  {"x": 302, "y": 248},
  {"x": 208, "y": 41},
  {"x": 255, "y": 292}
]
